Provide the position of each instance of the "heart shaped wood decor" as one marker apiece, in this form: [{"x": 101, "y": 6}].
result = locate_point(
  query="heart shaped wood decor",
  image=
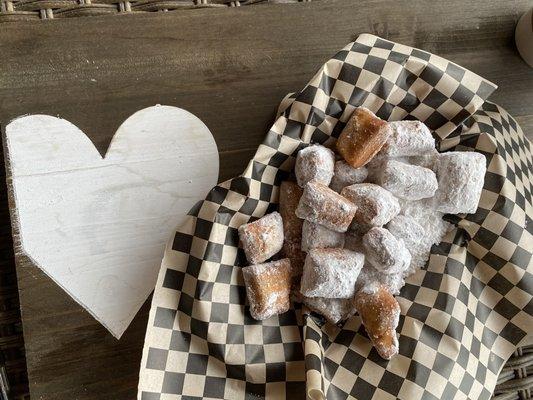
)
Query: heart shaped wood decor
[{"x": 98, "y": 226}]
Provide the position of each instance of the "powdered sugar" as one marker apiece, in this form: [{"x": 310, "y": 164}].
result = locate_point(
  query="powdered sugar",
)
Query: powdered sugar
[
  {"x": 331, "y": 273},
  {"x": 422, "y": 211},
  {"x": 316, "y": 236},
  {"x": 370, "y": 277},
  {"x": 263, "y": 238},
  {"x": 407, "y": 181},
  {"x": 375, "y": 205},
  {"x": 385, "y": 252},
  {"x": 415, "y": 238},
  {"x": 321, "y": 205},
  {"x": 315, "y": 162},
  {"x": 428, "y": 160},
  {"x": 408, "y": 138},
  {"x": 346, "y": 175},
  {"x": 461, "y": 175}
]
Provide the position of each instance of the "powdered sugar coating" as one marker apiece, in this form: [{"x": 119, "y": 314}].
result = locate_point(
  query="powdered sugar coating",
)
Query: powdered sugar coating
[
  {"x": 414, "y": 236},
  {"x": 370, "y": 277},
  {"x": 321, "y": 205},
  {"x": 422, "y": 211},
  {"x": 461, "y": 175},
  {"x": 346, "y": 175},
  {"x": 380, "y": 314},
  {"x": 316, "y": 236},
  {"x": 314, "y": 162},
  {"x": 385, "y": 252},
  {"x": 263, "y": 238},
  {"x": 331, "y": 273},
  {"x": 375, "y": 205},
  {"x": 334, "y": 310},
  {"x": 406, "y": 181},
  {"x": 428, "y": 160},
  {"x": 268, "y": 287},
  {"x": 408, "y": 138}
]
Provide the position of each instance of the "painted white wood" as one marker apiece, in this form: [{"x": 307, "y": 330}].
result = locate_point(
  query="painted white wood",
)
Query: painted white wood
[{"x": 98, "y": 226}]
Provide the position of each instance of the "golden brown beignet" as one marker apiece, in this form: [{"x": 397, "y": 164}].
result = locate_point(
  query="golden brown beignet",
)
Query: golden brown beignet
[
  {"x": 362, "y": 137},
  {"x": 380, "y": 313}
]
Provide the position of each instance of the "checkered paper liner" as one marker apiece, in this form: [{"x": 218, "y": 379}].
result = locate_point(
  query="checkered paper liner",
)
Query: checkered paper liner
[{"x": 462, "y": 317}]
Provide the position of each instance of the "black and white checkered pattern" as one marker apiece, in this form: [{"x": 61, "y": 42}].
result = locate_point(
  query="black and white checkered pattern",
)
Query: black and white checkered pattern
[{"x": 461, "y": 318}]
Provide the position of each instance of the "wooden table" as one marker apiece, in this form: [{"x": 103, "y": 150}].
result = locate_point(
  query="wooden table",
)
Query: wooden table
[{"x": 230, "y": 67}]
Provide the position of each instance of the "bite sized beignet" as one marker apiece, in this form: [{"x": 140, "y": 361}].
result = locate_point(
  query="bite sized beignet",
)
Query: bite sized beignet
[
  {"x": 362, "y": 137},
  {"x": 408, "y": 138},
  {"x": 461, "y": 175},
  {"x": 289, "y": 197},
  {"x": 316, "y": 163},
  {"x": 409, "y": 182},
  {"x": 321, "y": 205},
  {"x": 375, "y": 206},
  {"x": 263, "y": 238},
  {"x": 315, "y": 236},
  {"x": 380, "y": 315},
  {"x": 334, "y": 310},
  {"x": 385, "y": 252},
  {"x": 331, "y": 273},
  {"x": 346, "y": 175},
  {"x": 268, "y": 288}
]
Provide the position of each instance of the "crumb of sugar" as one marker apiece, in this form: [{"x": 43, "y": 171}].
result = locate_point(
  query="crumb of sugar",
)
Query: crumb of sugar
[{"x": 423, "y": 212}]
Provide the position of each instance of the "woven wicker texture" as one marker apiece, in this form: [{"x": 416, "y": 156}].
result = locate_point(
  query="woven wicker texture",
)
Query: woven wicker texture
[
  {"x": 23, "y": 10},
  {"x": 516, "y": 379}
]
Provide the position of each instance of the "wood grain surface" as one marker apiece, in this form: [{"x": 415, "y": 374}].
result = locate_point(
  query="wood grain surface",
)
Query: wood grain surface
[{"x": 230, "y": 67}]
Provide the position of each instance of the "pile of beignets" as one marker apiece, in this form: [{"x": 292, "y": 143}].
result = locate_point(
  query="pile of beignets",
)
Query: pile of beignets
[{"x": 353, "y": 226}]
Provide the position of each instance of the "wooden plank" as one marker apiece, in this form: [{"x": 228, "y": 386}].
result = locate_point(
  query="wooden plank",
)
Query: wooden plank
[{"x": 230, "y": 67}]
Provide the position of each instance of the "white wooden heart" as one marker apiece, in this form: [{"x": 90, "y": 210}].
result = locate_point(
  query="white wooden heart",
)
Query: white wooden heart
[{"x": 98, "y": 226}]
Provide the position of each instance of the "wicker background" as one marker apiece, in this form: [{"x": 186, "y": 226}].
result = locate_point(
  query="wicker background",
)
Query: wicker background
[
  {"x": 516, "y": 379},
  {"x": 24, "y": 10}
]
